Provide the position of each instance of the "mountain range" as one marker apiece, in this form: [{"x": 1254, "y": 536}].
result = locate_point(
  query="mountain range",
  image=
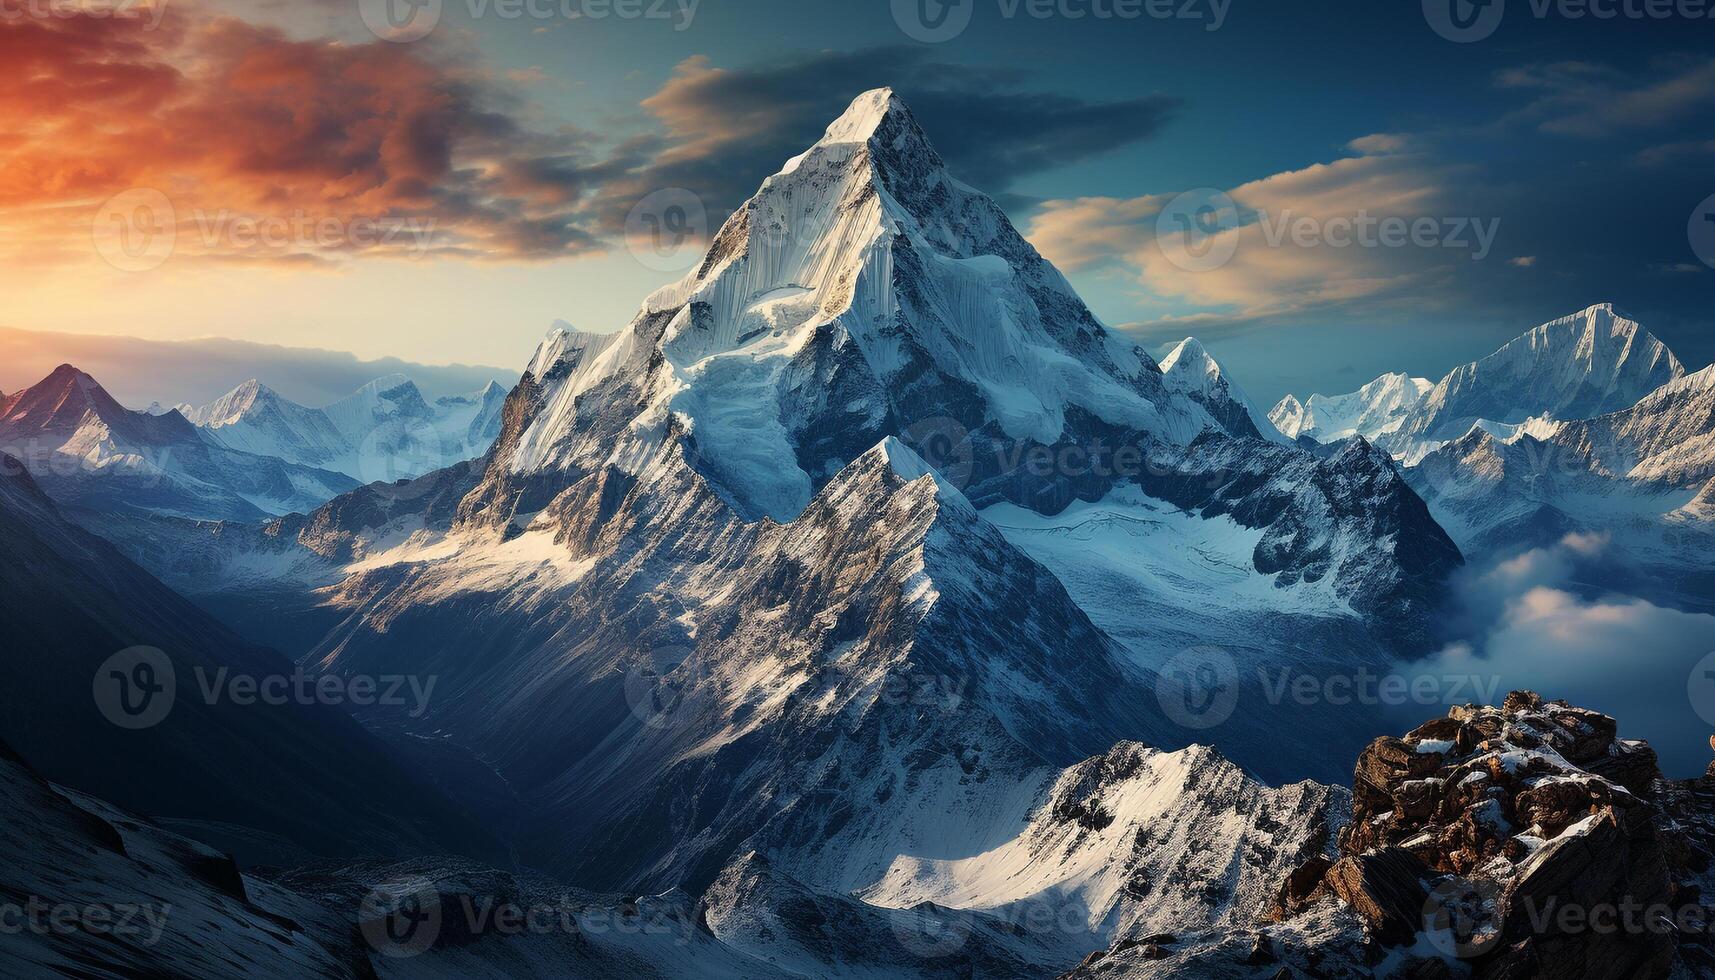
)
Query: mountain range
[
  {"x": 861, "y": 605},
  {"x": 1586, "y": 425}
]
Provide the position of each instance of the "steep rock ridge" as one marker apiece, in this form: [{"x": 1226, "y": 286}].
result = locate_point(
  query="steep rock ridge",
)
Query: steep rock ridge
[
  {"x": 864, "y": 293},
  {"x": 1135, "y": 843},
  {"x": 91, "y": 453},
  {"x": 1190, "y": 369},
  {"x": 888, "y": 642},
  {"x": 1525, "y": 840},
  {"x": 1372, "y": 411},
  {"x": 1472, "y": 833},
  {"x": 861, "y": 293},
  {"x": 79, "y": 602},
  {"x": 1591, "y": 363}
]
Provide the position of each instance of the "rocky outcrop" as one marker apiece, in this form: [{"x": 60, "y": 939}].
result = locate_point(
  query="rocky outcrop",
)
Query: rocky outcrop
[{"x": 1527, "y": 840}]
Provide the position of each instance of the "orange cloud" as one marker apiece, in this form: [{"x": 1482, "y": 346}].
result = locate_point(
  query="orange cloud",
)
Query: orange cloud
[{"x": 270, "y": 148}]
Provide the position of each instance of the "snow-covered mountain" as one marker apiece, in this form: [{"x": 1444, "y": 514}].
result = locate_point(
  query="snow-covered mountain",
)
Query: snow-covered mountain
[
  {"x": 91, "y": 453},
  {"x": 1643, "y": 477},
  {"x": 1591, "y": 363},
  {"x": 1373, "y": 411},
  {"x": 1191, "y": 370},
  {"x": 384, "y": 432},
  {"x": 788, "y": 563}
]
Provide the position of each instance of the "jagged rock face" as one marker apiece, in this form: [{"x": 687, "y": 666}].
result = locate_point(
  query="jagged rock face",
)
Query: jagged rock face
[
  {"x": 864, "y": 293},
  {"x": 1323, "y": 519},
  {"x": 1135, "y": 843},
  {"x": 886, "y": 642},
  {"x": 1485, "y": 829}
]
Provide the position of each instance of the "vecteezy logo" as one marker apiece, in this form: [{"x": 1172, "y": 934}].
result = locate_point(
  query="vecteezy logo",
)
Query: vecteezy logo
[
  {"x": 1199, "y": 688},
  {"x": 1700, "y": 689},
  {"x": 933, "y": 21},
  {"x": 659, "y": 687},
  {"x": 403, "y": 451},
  {"x": 930, "y": 935},
  {"x": 1460, "y": 917},
  {"x": 401, "y": 919},
  {"x": 135, "y": 231},
  {"x": 1464, "y": 21},
  {"x": 1197, "y": 231},
  {"x": 1701, "y": 231},
  {"x": 400, "y": 21},
  {"x": 135, "y": 688},
  {"x": 665, "y": 230},
  {"x": 945, "y": 445}
]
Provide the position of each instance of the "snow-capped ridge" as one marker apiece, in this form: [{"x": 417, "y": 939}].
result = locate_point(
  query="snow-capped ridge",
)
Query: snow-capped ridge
[
  {"x": 1372, "y": 411},
  {"x": 1190, "y": 369}
]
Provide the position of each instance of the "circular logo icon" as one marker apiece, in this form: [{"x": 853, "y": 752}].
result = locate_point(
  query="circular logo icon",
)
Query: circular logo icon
[
  {"x": 665, "y": 231},
  {"x": 659, "y": 687},
  {"x": 933, "y": 21},
  {"x": 928, "y": 936},
  {"x": 400, "y": 21},
  {"x": 1701, "y": 231},
  {"x": 401, "y": 919},
  {"x": 1197, "y": 230},
  {"x": 136, "y": 231},
  {"x": 1461, "y": 918},
  {"x": 945, "y": 445},
  {"x": 1700, "y": 688},
  {"x": 401, "y": 450},
  {"x": 1199, "y": 688},
  {"x": 1464, "y": 21},
  {"x": 135, "y": 688}
]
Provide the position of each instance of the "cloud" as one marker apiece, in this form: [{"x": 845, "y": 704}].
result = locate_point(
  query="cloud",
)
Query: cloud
[
  {"x": 1272, "y": 270},
  {"x": 1593, "y": 101},
  {"x": 240, "y": 125},
  {"x": 1523, "y": 261},
  {"x": 1379, "y": 143},
  {"x": 275, "y": 145},
  {"x": 1526, "y": 624},
  {"x": 727, "y": 128},
  {"x": 138, "y": 371}
]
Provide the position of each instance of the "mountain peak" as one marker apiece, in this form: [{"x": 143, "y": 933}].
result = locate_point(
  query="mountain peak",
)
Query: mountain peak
[
  {"x": 865, "y": 116},
  {"x": 1191, "y": 353}
]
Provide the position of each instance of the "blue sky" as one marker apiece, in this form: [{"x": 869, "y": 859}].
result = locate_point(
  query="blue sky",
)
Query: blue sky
[{"x": 1585, "y": 145}]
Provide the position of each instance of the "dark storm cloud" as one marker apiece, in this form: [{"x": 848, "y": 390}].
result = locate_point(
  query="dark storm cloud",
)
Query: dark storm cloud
[{"x": 726, "y": 129}]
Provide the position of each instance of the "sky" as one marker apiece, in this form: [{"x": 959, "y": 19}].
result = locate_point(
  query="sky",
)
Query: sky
[{"x": 1322, "y": 192}]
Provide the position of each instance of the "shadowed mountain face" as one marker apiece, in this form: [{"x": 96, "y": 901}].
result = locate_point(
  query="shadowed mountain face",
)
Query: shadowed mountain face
[{"x": 301, "y": 773}]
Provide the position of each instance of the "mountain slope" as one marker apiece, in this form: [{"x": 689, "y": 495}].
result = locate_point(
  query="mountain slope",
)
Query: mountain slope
[
  {"x": 302, "y": 772},
  {"x": 1588, "y": 364},
  {"x": 383, "y": 432},
  {"x": 1640, "y": 476},
  {"x": 1372, "y": 411},
  {"x": 864, "y": 293},
  {"x": 91, "y": 453},
  {"x": 1190, "y": 369}
]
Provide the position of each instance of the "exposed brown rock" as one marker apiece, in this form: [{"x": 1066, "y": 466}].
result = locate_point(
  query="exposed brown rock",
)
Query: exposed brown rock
[{"x": 1386, "y": 889}]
